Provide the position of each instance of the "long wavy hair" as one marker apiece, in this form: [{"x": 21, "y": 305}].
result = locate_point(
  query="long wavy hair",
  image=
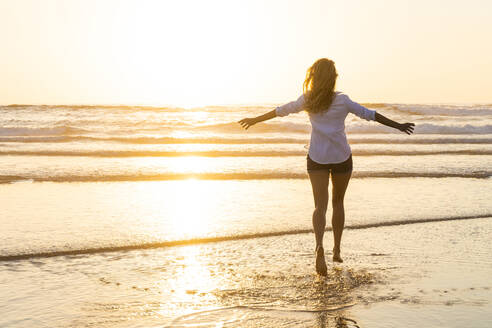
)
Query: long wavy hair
[{"x": 319, "y": 85}]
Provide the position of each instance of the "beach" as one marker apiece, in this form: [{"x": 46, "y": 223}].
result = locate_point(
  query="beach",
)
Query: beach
[
  {"x": 424, "y": 274},
  {"x": 128, "y": 216},
  {"x": 154, "y": 164}
]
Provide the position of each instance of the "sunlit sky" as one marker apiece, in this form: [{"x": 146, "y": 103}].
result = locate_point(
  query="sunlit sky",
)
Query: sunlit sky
[{"x": 192, "y": 53}]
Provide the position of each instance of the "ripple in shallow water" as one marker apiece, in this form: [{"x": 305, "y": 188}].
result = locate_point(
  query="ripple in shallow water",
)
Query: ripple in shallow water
[{"x": 299, "y": 292}]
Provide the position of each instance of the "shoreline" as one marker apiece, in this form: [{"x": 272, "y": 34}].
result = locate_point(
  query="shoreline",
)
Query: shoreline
[
  {"x": 393, "y": 276},
  {"x": 218, "y": 239}
]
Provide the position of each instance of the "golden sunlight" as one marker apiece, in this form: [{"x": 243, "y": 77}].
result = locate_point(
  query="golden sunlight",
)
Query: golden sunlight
[
  {"x": 194, "y": 53},
  {"x": 151, "y": 174},
  {"x": 186, "y": 213},
  {"x": 180, "y": 60},
  {"x": 193, "y": 277},
  {"x": 192, "y": 207}
]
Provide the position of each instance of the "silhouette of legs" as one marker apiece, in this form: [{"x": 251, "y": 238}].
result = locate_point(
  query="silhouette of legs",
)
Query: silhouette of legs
[
  {"x": 340, "y": 182},
  {"x": 319, "y": 182}
]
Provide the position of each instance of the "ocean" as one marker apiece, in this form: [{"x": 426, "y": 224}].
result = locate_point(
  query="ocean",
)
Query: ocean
[{"x": 96, "y": 197}]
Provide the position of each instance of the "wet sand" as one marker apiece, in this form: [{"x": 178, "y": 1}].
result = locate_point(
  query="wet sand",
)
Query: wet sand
[{"x": 426, "y": 274}]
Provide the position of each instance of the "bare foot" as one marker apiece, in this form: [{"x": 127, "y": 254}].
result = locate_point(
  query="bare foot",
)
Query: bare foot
[
  {"x": 336, "y": 256},
  {"x": 320, "y": 261}
]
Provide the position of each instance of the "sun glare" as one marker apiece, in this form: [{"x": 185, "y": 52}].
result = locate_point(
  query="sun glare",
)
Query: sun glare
[
  {"x": 185, "y": 213},
  {"x": 156, "y": 48},
  {"x": 193, "y": 277},
  {"x": 193, "y": 207}
]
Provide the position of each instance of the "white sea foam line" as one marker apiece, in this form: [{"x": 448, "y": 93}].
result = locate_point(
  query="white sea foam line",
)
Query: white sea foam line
[
  {"x": 232, "y": 176},
  {"x": 235, "y": 128},
  {"x": 389, "y": 139},
  {"x": 86, "y": 251},
  {"x": 229, "y": 153}
]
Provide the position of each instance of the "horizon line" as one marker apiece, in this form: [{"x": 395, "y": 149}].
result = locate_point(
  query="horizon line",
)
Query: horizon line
[{"x": 264, "y": 104}]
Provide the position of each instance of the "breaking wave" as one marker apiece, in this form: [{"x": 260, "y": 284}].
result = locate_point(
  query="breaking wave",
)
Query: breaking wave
[
  {"x": 424, "y": 128},
  {"x": 120, "y": 133},
  {"x": 51, "y": 131},
  {"x": 244, "y": 140}
]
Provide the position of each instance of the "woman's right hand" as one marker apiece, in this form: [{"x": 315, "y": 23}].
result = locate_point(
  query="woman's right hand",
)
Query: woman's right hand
[
  {"x": 247, "y": 122},
  {"x": 406, "y": 127}
]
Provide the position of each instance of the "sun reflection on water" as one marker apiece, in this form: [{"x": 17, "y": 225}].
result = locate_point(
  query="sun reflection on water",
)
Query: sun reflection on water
[
  {"x": 184, "y": 211},
  {"x": 193, "y": 281},
  {"x": 192, "y": 207}
]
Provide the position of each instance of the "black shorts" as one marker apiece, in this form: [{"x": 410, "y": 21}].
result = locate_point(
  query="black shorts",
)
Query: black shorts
[{"x": 343, "y": 167}]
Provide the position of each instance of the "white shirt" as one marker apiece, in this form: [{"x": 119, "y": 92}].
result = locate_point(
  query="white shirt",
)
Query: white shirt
[{"x": 328, "y": 140}]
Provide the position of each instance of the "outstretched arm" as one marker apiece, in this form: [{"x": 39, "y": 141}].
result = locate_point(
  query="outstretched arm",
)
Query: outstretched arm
[
  {"x": 405, "y": 127},
  {"x": 284, "y": 110},
  {"x": 372, "y": 115},
  {"x": 247, "y": 122}
]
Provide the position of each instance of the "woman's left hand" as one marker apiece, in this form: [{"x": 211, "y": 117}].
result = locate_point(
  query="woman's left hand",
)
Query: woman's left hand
[{"x": 247, "y": 122}]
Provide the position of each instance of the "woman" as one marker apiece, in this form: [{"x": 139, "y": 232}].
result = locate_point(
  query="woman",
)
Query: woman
[{"x": 329, "y": 151}]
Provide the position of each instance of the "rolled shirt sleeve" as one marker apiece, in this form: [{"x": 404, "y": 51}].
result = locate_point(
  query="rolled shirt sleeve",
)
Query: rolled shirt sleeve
[
  {"x": 359, "y": 110},
  {"x": 291, "y": 107}
]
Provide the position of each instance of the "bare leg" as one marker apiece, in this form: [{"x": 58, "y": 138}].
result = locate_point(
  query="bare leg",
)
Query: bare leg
[
  {"x": 319, "y": 182},
  {"x": 340, "y": 182}
]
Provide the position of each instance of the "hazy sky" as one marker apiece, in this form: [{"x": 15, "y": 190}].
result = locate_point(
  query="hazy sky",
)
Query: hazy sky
[{"x": 189, "y": 53}]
